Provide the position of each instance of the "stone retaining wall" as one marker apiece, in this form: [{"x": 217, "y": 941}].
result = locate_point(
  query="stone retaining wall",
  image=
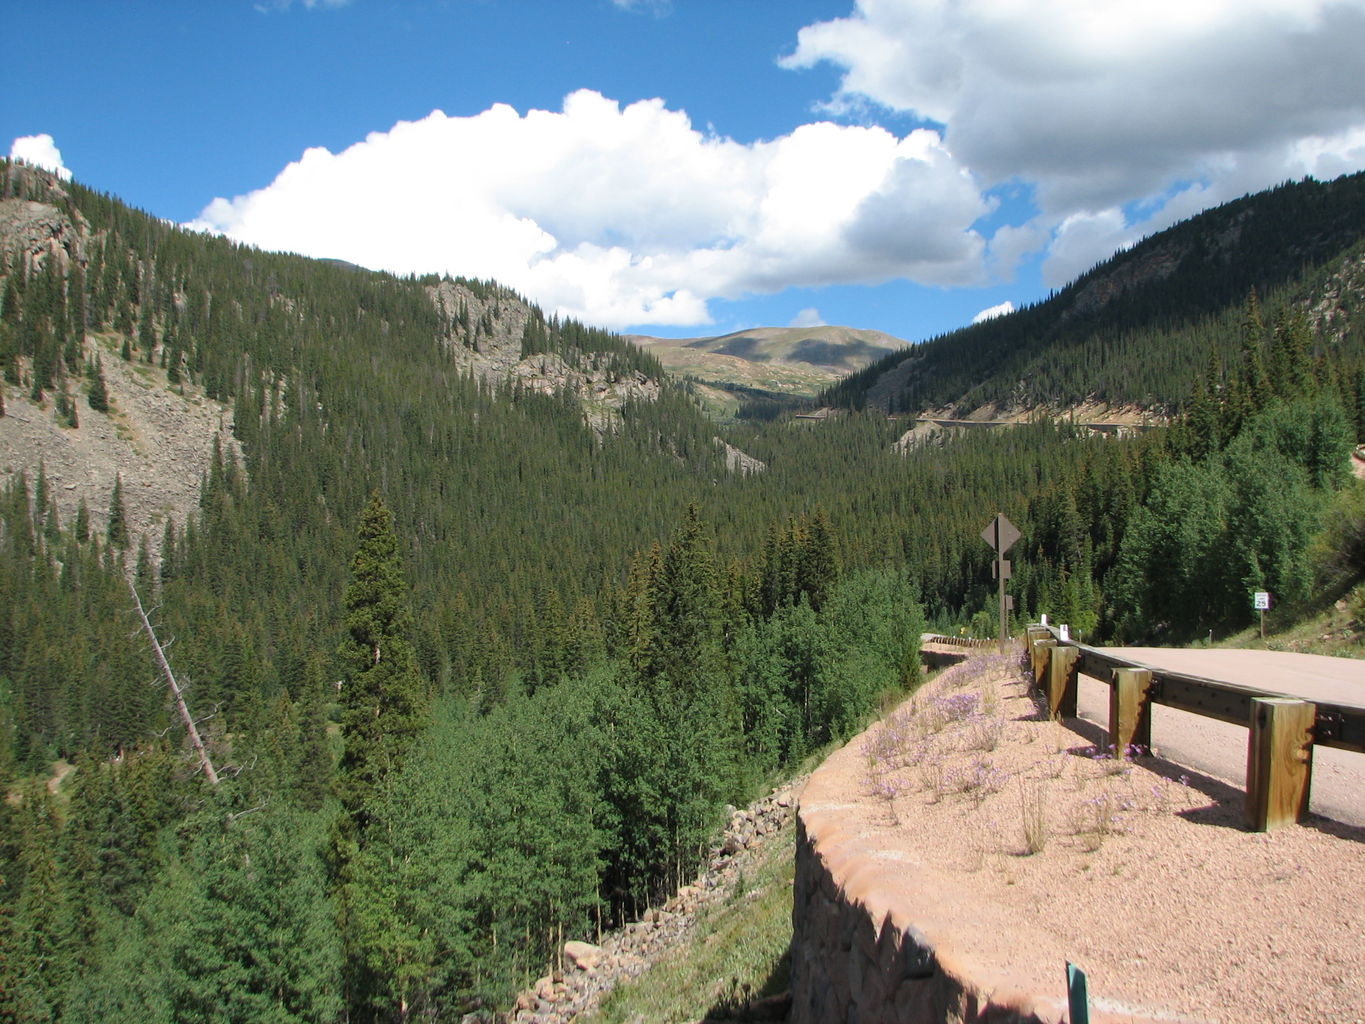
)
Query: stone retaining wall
[{"x": 857, "y": 956}]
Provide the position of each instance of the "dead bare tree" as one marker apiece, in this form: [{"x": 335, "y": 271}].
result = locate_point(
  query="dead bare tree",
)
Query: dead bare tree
[{"x": 176, "y": 694}]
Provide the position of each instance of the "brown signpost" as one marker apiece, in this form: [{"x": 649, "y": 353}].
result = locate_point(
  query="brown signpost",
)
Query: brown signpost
[{"x": 1001, "y": 534}]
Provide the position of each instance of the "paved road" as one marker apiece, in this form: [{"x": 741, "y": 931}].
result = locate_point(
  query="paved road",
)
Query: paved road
[{"x": 1218, "y": 749}]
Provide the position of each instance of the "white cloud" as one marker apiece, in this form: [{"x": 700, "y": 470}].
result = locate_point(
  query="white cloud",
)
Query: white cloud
[
  {"x": 624, "y": 216},
  {"x": 809, "y": 317},
  {"x": 1011, "y": 244},
  {"x": 994, "y": 311},
  {"x": 1101, "y": 104},
  {"x": 1082, "y": 240},
  {"x": 1117, "y": 119},
  {"x": 308, "y": 5},
  {"x": 659, "y": 8},
  {"x": 41, "y": 151}
]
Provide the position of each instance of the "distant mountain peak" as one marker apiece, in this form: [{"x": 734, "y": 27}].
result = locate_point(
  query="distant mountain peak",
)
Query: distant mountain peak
[{"x": 788, "y": 360}]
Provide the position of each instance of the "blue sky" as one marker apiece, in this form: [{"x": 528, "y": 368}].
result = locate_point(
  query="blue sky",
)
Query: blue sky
[{"x": 688, "y": 167}]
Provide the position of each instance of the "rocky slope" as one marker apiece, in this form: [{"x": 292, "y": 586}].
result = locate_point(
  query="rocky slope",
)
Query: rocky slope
[
  {"x": 158, "y": 439},
  {"x": 484, "y": 330},
  {"x": 40, "y": 231},
  {"x": 587, "y": 972}
]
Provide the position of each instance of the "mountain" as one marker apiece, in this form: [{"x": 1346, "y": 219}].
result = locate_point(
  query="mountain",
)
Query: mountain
[
  {"x": 484, "y": 628},
  {"x": 1140, "y": 327},
  {"x": 768, "y": 362},
  {"x": 186, "y": 328}
]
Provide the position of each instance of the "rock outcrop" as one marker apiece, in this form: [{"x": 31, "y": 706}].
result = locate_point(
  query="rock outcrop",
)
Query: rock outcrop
[
  {"x": 40, "y": 231},
  {"x": 484, "y": 330},
  {"x": 158, "y": 439}
]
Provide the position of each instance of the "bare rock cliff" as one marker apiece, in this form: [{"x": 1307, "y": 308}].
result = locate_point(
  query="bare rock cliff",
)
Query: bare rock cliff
[{"x": 484, "y": 332}]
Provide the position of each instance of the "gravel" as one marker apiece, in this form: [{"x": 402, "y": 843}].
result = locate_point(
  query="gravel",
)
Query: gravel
[{"x": 1146, "y": 878}]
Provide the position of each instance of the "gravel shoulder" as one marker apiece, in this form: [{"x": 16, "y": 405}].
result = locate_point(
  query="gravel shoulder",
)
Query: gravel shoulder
[{"x": 1142, "y": 874}]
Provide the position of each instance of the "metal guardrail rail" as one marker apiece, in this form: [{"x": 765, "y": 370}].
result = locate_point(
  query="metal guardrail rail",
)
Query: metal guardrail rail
[{"x": 1284, "y": 728}]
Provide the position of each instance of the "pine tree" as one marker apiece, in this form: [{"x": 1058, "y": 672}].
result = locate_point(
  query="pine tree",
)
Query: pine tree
[
  {"x": 383, "y": 699},
  {"x": 117, "y": 530},
  {"x": 820, "y": 561},
  {"x": 687, "y": 606},
  {"x": 146, "y": 335},
  {"x": 99, "y": 391},
  {"x": 82, "y": 527},
  {"x": 384, "y": 708},
  {"x": 41, "y": 920}
]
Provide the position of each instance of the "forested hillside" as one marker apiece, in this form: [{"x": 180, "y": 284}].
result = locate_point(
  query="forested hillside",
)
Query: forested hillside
[
  {"x": 479, "y": 655},
  {"x": 1139, "y": 327}
]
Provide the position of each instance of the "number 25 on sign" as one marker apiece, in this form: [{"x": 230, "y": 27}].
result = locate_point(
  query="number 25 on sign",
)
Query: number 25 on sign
[{"x": 1260, "y": 600}]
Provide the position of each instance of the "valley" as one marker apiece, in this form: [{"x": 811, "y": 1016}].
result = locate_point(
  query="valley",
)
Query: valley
[{"x": 488, "y": 616}]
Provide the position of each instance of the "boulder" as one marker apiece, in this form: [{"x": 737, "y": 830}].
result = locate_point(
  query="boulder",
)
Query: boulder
[{"x": 583, "y": 955}]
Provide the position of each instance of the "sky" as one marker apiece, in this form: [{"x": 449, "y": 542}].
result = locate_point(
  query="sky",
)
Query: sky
[{"x": 694, "y": 167}]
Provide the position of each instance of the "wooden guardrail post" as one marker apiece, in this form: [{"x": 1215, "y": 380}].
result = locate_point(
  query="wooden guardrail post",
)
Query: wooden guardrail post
[
  {"x": 1279, "y": 761},
  {"x": 1061, "y": 681},
  {"x": 1130, "y": 712},
  {"x": 1038, "y": 652}
]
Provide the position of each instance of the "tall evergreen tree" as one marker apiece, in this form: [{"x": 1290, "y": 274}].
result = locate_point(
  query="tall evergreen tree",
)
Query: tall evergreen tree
[
  {"x": 99, "y": 391},
  {"x": 384, "y": 700},
  {"x": 117, "y": 530},
  {"x": 384, "y": 709}
]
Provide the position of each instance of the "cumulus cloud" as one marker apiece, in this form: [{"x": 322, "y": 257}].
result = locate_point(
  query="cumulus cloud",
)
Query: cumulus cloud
[
  {"x": 1082, "y": 240},
  {"x": 992, "y": 312},
  {"x": 624, "y": 216},
  {"x": 1099, "y": 105},
  {"x": 808, "y": 317},
  {"x": 1012, "y": 244},
  {"x": 41, "y": 151},
  {"x": 1116, "y": 119}
]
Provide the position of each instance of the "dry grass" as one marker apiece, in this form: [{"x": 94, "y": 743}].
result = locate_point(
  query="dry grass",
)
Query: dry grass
[
  {"x": 737, "y": 952},
  {"x": 1033, "y": 816}
]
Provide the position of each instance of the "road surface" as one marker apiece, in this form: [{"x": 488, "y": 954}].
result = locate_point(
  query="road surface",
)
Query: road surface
[{"x": 1220, "y": 750}]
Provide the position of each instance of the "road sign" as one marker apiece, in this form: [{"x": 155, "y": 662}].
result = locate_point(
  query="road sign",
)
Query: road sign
[
  {"x": 1260, "y": 600},
  {"x": 1000, "y": 534}
]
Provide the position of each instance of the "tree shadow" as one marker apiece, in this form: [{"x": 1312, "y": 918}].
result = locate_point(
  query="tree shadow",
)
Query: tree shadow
[
  {"x": 1226, "y": 804},
  {"x": 771, "y": 1001}
]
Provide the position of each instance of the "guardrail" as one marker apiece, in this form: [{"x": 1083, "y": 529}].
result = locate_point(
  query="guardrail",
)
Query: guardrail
[
  {"x": 1283, "y": 729},
  {"x": 956, "y": 641}
]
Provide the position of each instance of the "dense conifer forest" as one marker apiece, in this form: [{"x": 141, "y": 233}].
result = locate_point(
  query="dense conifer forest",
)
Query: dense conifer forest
[
  {"x": 477, "y": 677},
  {"x": 1138, "y": 328}
]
